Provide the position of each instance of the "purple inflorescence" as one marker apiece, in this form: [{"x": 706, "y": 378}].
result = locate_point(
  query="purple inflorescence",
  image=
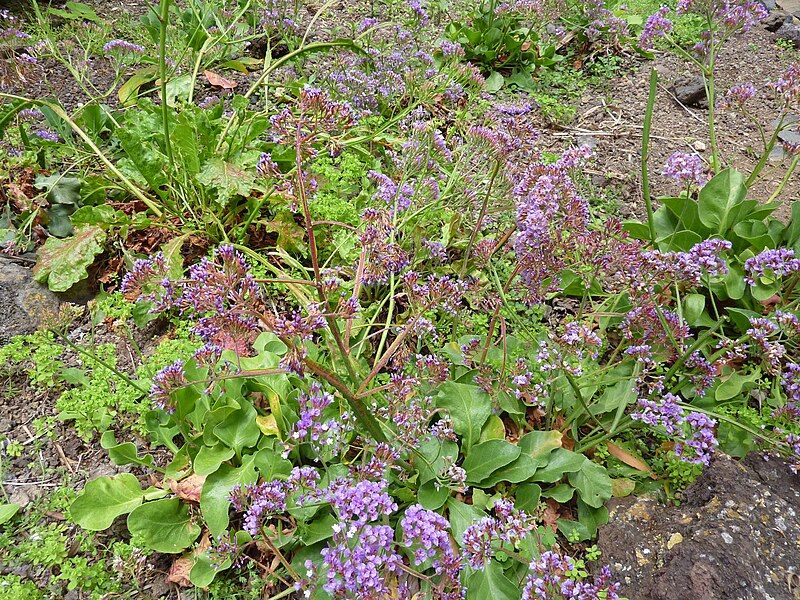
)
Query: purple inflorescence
[
  {"x": 508, "y": 525},
  {"x": 739, "y": 95},
  {"x": 47, "y": 135},
  {"x": 359, "y": 569},
  {"x": 778, "y": 262},
  {"x": 122, "y": 46},
  {"x": 165, "y": 382},
  {"x": 685, "y": 169},
  {"x": 669, "y": 415},
  {"x": 656, "y": 26},
  {"x": 362, "y": 502}
]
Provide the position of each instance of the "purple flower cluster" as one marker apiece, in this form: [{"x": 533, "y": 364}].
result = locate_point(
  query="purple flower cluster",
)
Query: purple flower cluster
[
  {"x": 381, "y": 254},
  {"x": 360, "y": 502},
  {"x": 739, "y": 95},
  {"x": 47, "y": 135},
  {"x": 549, "y": 577},
  {"x": 508, "y": 525},
  {"x": 732, "y": 14},
  {"x": 427, "y": 533},
  {"x": 790, "y": 382},
  {"x": 656, "y": 26},
  {"x": 165, "y": 382},
  {"x": 122, "y": 46},
  {"x": 391, "y": 193},
  {"x": 685, "y": 169},
  {"x": 358, "y": 562},
  {"x": 777, "y": 263},
  {"x": 704, "y": 258},
  {"x": 669, "y": 415},
  {"x": 260, "y": 501},
  {"x": 788, "y": 86},
  {"x": 580, "y": 338},
  {"x": 323, "y": 435}
]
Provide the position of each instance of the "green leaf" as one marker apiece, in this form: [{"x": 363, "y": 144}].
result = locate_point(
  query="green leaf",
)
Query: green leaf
[
  {"x": 206, "y": 568},
  {"x": 462, "y": 516},
  {"x": 622, "y": 487},
  {"x": 560, "y": 493},
  {"x": 164, "y": 526},
  {"x": 318, "y": 530},
  {"x": 63, "y": 263},
  {"x": 129, "y": 91},
  {"x": 60, "y": 189},
  {"x": 539, "y": 444},
  {"x": 239, "y": 430},
  {"x": 104, "y": 499},
  {"x": 434, "y": 456},
  {"x": 125, "y": 453},
  {"x": 209, "y": 459},
  {"x": 433, "y": 495},
  {"x": 491, "y": 582},
  {"x": 487, "y": 457},
  {"x": 720, "y": 198},
  {"x": 592, "y": 482},
  {"x": 227, "y": 179},
  {"x": 732, "y": 385},
  {"x": 687, "y": 212},
  {"x": 527, "y": 497},
  {"x": 215, "y": 497},
  {"x": 271, "y": 464},
  {"x": 468, "y": 406},
  {"x": 518, "y": 471},
  {"x": 173, "y": 257},
  {"x": 560, "y": 461},
  {"x": 494, "y": 82},
  {"x": 493, "y": 430},
  {"x": 7, "y": 512}
]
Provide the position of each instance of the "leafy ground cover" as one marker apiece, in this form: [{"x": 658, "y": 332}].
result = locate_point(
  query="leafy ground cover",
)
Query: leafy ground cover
[{"x": 371, "y": 325}]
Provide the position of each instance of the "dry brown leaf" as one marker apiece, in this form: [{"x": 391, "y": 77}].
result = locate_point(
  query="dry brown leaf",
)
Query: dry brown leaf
[
  {"x": 189, "y": 488},
  {"x": 219, "y": 81},
  {"x": 180, "y": 569},
  {"x": 629, "y": 459}
]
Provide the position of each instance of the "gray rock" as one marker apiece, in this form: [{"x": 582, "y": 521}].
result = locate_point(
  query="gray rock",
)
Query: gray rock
[
  {"x": 734, "y": 537},
  {"x": 24, "y": 304},
  {"x": 690, "y": 91},
  {"x": 775, "y": 20},
  {"x": 770, "y": 5},
  {"x": 790, "y": 32}
]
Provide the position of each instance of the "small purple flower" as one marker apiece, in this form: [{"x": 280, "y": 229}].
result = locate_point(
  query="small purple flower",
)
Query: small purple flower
[
  {"x": 702, "y": 440},
  {"x": 47, "y": 135},
  {"x": 685, "y": 169},
  {"x": 166, "y": 381},
  {"x": 778, "y": 263},
  {"x": 739, "y": 95},
  {"x": 657, "y": 25},
  {"x": 123, "y": 46}
]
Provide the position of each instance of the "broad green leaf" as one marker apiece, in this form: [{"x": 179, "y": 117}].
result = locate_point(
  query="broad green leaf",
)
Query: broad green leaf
[
  {"x": 494, "y": 82},
  {"x": 104, "y": 499},
  {"x": 527, "y": 497},
  {"x": 493, "y": 430},
  {"x": 173, "y": 257},
  {"x": 686, "y": 210},
  {"x": 125, "y": 453},
  {"x": 563, "y": 492},
  {"x": 60, "y": 189},
  {"x": 270, "y": 464},
  {"x": 164, "y": 525},
  {"x": 215, "y": 498},
  {"x": 129, "y": 91},
  {"x": 206, "y": 568},
  {"x": 693, "y": 307},
  {"x": 732, "y": 385},
  {"x": 318, "y": 530},
  {"x": 63, "y": 263},
  {"x": 491, "y": 582},
  {"x": 433, "y": 457},
  {"x": 239, "y": 429},
  {"x": 209, "y": 459},
  {"x": 487, "y": 457},
  {"x": 719, "y": 199},
  {"x": 539, "y": 444},
  {"x": 227, "y": 179},
  {"x": 560, "y": 461},
  {"x": 462, "y": 516},
  {"x": 592, "y": 482},
  {"x": 468, "y": 406},
  {"x": 522, "y": 469},
  {"x": 432, "y": 495},
  {"x": 7, "y": 512},
  {"x": 622, "y": 486}
]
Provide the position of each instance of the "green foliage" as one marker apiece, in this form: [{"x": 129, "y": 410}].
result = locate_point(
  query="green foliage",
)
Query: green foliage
[{"x": 12, "y": 587}]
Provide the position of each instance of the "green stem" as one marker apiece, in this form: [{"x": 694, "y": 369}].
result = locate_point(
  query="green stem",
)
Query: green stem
[
  {"x": 648, "y": 121},
  {"x": 163, "y": 19},
  {"x": 708, "y": 80},
  {"x": 785, "y": 179}
]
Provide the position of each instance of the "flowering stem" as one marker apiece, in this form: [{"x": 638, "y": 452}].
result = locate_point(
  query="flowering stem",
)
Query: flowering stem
[
  {"x": 785, "y": 179},
  {"x": 163, "y": 20},
  {"x": 762, "y": 162},
  {"x": 648, "y": 121},
  {"x": 481, "y": 216},
  {"x": 708, "y": 81},
  {"x": 361, "y": 411}
]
